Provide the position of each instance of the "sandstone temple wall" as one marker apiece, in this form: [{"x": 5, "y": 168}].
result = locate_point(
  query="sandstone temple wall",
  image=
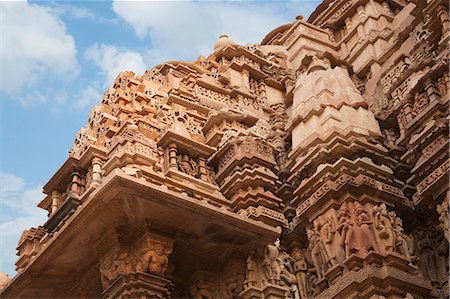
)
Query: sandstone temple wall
[{"x": 312, "y": 165}]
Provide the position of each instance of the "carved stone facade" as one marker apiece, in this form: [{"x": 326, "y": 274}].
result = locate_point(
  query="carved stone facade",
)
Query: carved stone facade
[{"x": 312, "y": 165}]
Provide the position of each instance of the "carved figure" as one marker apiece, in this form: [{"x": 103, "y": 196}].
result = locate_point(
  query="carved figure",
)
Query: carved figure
[
  {"x": 313, "y": 280},
  {"x": 365, "y": 239},
  {"x": 426, "y": 254},
  {"x": 316, "y": 253},
  {"x": 420, "y": 102},
  {"x": 272, "y": 262},
  {"x": 443, "y": 84},
  {"x": 287, "y": 270},
  {"x": 251, "y": 270},
  {"x": 187, "y": 165},
  {"x": 401, "y": 243},
  {"x": 114, "y": 266},
  {"x": 391, "y": 137},
  {"x": 300, "y": 270},
  {"x": 442, "y": 209},
  {"x": 326, "y": 237},
  {"x": 345, "y": 227},
  {"x": 383, "y": 228},
  {"x": 157, "y": 259}
]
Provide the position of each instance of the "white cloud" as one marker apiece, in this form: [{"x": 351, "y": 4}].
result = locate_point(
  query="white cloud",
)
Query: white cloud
[
  {"x": 35, "y": 45},
  {"x": 112, "y": 60},
  {"x": 18, "y": 202},
  {"x": 72, "y": 11},
  {"x": 185, "y": 29},
  {"x": 89, "y": 96}
]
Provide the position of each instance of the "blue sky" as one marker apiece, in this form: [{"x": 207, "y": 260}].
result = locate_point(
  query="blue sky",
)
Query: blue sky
[{"x": 58, "y": 57}]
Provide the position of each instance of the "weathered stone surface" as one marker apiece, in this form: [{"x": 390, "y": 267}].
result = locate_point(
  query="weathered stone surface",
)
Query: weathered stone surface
[{"x": 313, "y": 164}]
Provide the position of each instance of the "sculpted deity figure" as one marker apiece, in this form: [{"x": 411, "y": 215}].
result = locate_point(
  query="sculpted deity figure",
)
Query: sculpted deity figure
[
  {"x": 443, "y": 84},
  {"x": 300, "y": 270},
  {"x": 420, "y": 102},
  {"x": 366, "y": 240},
  {"x": 383, "y": 228},
  {"x": 187, "y": 165},
  {"x": 287, "y": 274},
  {"x": 426, "y": 253},
  {"x": 114, "y": 266},
  {"x": 251, "y": 270},
  {"x": 316, "y": 253},
  {"x": 346, "y": 228},
  {"x": 442, "y": 209},
  {"x": 272, "y": 262},
  {"x": 401, "y": 244},
  {"x": 157, "y": 259},
  {"x": 326, "y": 238},
  {"x": 390, "y": 137}
]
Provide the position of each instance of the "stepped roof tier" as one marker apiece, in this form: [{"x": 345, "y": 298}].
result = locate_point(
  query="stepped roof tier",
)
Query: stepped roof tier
[{"x": 314, "y": 164}]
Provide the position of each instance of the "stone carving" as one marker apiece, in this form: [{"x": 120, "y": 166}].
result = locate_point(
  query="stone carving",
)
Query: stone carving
[
  {"x": 157, "y": 259},
  {"x": 383, "y": 228},
  {"x": 421, "y": 31},
  {"x": 156, "y": 76},
  {"x": 401, "y": 240},
  {"x": 250, "y": 274},
  {"x": 421, "y": 101},
  {"x": 317, "y": 254},
  {"x": 426, "y": 254},
  {"x": 301, "y": 271},
  {"x": 272, "y": 263},
  {"x": 443, "y": 84},
  {"x": 234, "y": 278},
  {"x": 337, "y": 15},
  {"x": 286, "y": 130},
  {"x": 326, "y": 233},
  {"x": 270, "y": 266},
  {"x": 187, "y": 165},
  {"x": 148, "y": 256},
  {"x": 442, "y": 209},
  {"x": 112, "y": 267},
  {"x": 391, "y": 137},
  {"x": 354, "y": 226}
]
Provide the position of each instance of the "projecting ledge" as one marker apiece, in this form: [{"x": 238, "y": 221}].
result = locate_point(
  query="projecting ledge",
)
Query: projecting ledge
[{"x": 176, "y": 210}]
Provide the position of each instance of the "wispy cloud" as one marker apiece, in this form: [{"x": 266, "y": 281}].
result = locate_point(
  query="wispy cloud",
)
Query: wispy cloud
[
  {"x": 35, "y": 46},
  {"x": 18, "y": 212},
  {"x": 185, "y": 29},
  {"x": 72, "y": 11},
  {"x": 89, "y": 96},
  {"x": 112, "y": 60}
]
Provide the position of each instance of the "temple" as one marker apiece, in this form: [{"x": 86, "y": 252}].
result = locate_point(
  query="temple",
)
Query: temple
[{"x": 312, "y": 165}]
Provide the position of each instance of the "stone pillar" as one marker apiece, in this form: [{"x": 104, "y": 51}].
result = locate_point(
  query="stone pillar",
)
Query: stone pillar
[
  {"x": 202, "y": 169},
  {"x": 75, "y": 183},
  {"x": 138, "y": 268},
  {"x": 246, "y": 79},
  {"x": 173, "y": 156},
  {"x": 56, "y": 200},
  {"x": 96, "y": 171}
]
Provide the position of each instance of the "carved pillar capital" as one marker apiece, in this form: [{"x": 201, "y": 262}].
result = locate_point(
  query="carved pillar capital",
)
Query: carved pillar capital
[{"x": 138, "y": 268}]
